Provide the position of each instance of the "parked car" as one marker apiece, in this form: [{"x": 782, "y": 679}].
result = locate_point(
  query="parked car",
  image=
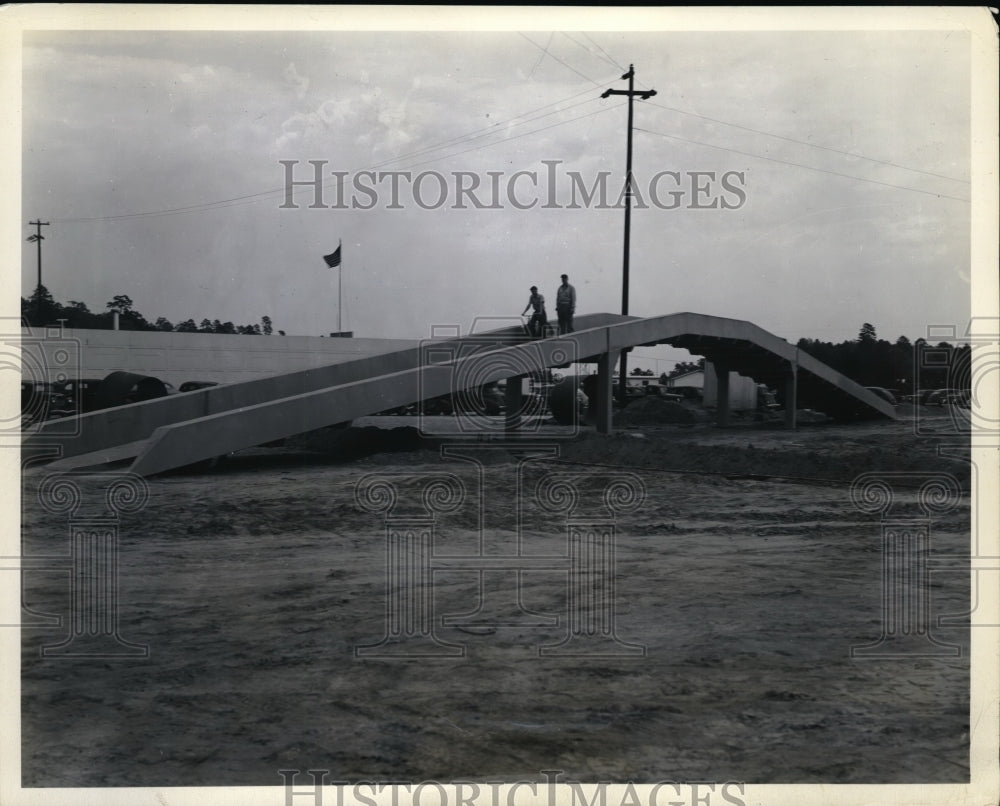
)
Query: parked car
[
  {"x": 568, "y": 401},
  {"x": 932, "y": 397},
  {"x": 962, "y": 398},
  {"x": 122, "y": 388},
  {"x": 40, "y": 400},
  {"x": 937, "y": 397},
  {"x": 436, "y": 406},
  {"x": 687, "y": 392},
  {"x": 950, "y": 397},
  {"x": 954, "y": 397},
  {"x": 80, "y": 395}
]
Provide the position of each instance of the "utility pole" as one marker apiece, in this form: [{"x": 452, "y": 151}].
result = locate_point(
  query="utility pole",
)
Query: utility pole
[
  {"x": 38, "y": 238},
  {"x": 631, "y": 93}
]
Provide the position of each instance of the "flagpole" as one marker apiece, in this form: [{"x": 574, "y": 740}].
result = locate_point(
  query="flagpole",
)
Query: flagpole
[{"x": 340, "y": 276}]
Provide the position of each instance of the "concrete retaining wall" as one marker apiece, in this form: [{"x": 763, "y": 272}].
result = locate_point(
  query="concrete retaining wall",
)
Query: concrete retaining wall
[{"x": 175, "y": 358}]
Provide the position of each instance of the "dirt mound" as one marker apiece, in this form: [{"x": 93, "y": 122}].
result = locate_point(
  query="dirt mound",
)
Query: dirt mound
[{"x": 656, "y": 411}]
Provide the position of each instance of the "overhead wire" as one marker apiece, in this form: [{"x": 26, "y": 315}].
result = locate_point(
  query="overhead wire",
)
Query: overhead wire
[
  {"x": 491, "y": 129},
  {"x": 564, "y": 64},
  {"x": 262, "y": 195},
  {"x": 542, "y": 54},
  {"x": 476, "y": 133},
  {"x": 807, "y": 143},
  {"x": 256, "y": 197},
  {"x": 800, "y": 165},
  {"x": 463, "y": 141},
  {"x": 525, "y": 134},
  {"x": 610, "y": 58},
  {"x": 605, "y": 57}
]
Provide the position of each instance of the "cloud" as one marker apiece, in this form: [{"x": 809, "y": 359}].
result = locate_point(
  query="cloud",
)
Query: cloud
[
  {"x": 299, "y": 83},
  {"x": 124, "y": 123}
]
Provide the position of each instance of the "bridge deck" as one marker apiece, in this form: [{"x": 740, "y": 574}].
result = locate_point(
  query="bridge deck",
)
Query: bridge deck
[{"x": 182, "y": 429}]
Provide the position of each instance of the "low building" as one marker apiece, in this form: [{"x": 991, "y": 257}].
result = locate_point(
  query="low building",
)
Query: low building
[
  {"x": 742, "y": 390},
  {"x": 695, "y": 379}
]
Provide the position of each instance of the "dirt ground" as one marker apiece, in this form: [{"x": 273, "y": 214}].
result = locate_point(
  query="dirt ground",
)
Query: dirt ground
[{"x": 743, "y": 573}]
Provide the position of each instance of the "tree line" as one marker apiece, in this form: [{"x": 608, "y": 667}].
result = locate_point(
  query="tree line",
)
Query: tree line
[
  {"x": 901, "y": 365},
  {"x": 41, "y": 309},
  {"x": 870, "y": 361},
  {"x": 904, "y": 366}
]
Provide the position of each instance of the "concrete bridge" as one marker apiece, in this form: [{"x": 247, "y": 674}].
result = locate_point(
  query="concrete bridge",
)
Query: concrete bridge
[{"x": 170, "y": 432}]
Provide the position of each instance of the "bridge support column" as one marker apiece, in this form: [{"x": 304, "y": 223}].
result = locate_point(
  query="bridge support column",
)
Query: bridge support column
[
  {"x": 605, "y": 393},
  {"x": 722, "y": 393},
  {"x": 514, "y": 402},
  {"x": 791, "y": 394}
]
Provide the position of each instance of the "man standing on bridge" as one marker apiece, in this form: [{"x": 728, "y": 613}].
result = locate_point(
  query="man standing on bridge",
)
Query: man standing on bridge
[{"x": 565, "y": 305}]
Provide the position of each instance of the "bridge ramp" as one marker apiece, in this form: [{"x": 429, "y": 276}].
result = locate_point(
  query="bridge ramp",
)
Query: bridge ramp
[{"x": 168, "y": 433}]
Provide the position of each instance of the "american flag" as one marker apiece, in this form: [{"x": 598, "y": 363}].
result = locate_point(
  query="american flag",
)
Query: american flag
[{"x": 333, "y": 259}]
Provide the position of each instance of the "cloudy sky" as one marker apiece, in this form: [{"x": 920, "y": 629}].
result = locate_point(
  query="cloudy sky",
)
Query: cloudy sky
[{"x": 156, "y": 156}]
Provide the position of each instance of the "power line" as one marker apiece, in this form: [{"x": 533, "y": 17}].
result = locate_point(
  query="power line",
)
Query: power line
[
  {"x": 553, "y": 56},
  {"x": 542, "y": 54},
  {"x": 254, "y": 198},
  {"x": 800, "y": 165},
  {"x": 462, "y": 140},
  {"x": 262, "y": 195},
  {"x": 610, "y": 58},
  {"x": 807, "y": 143},
  {"x": 475, "y": 133},
  {"x": 590, "y": 52},
  {"x": 524, "y": 134},
  {"x": 888, "y": 163}
]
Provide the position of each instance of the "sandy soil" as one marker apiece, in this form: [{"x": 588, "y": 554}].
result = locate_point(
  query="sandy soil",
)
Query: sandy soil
[{"x": 252, "y": 585}]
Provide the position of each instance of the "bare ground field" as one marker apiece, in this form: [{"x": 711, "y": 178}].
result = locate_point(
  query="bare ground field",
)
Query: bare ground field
[{"x": 741, "y": 585}]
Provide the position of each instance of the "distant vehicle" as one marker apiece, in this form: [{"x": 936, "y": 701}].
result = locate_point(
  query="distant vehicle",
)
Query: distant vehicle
[
  {"x": 40, "y": 400},
  {"x": 766, "y": 399},
  {"x": 437, "y": 406},
  {"x": 687, "y": 392},
  {"x": 936, "y": 398},
  {"x": 885, "y": 394},
  {"x": 925, "y": 396},
  {"x": 191, "y": 386},
  {"x": 80, "y": 395},
  {"x": 962, "y": 398},
  {"x": 122, "y": 388},
  {"x": 568, "y": 400},
  {"x": 83, "y": 395},
  {"x": 950, "y": 397},
  {"x": 657, "y": 390}
]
